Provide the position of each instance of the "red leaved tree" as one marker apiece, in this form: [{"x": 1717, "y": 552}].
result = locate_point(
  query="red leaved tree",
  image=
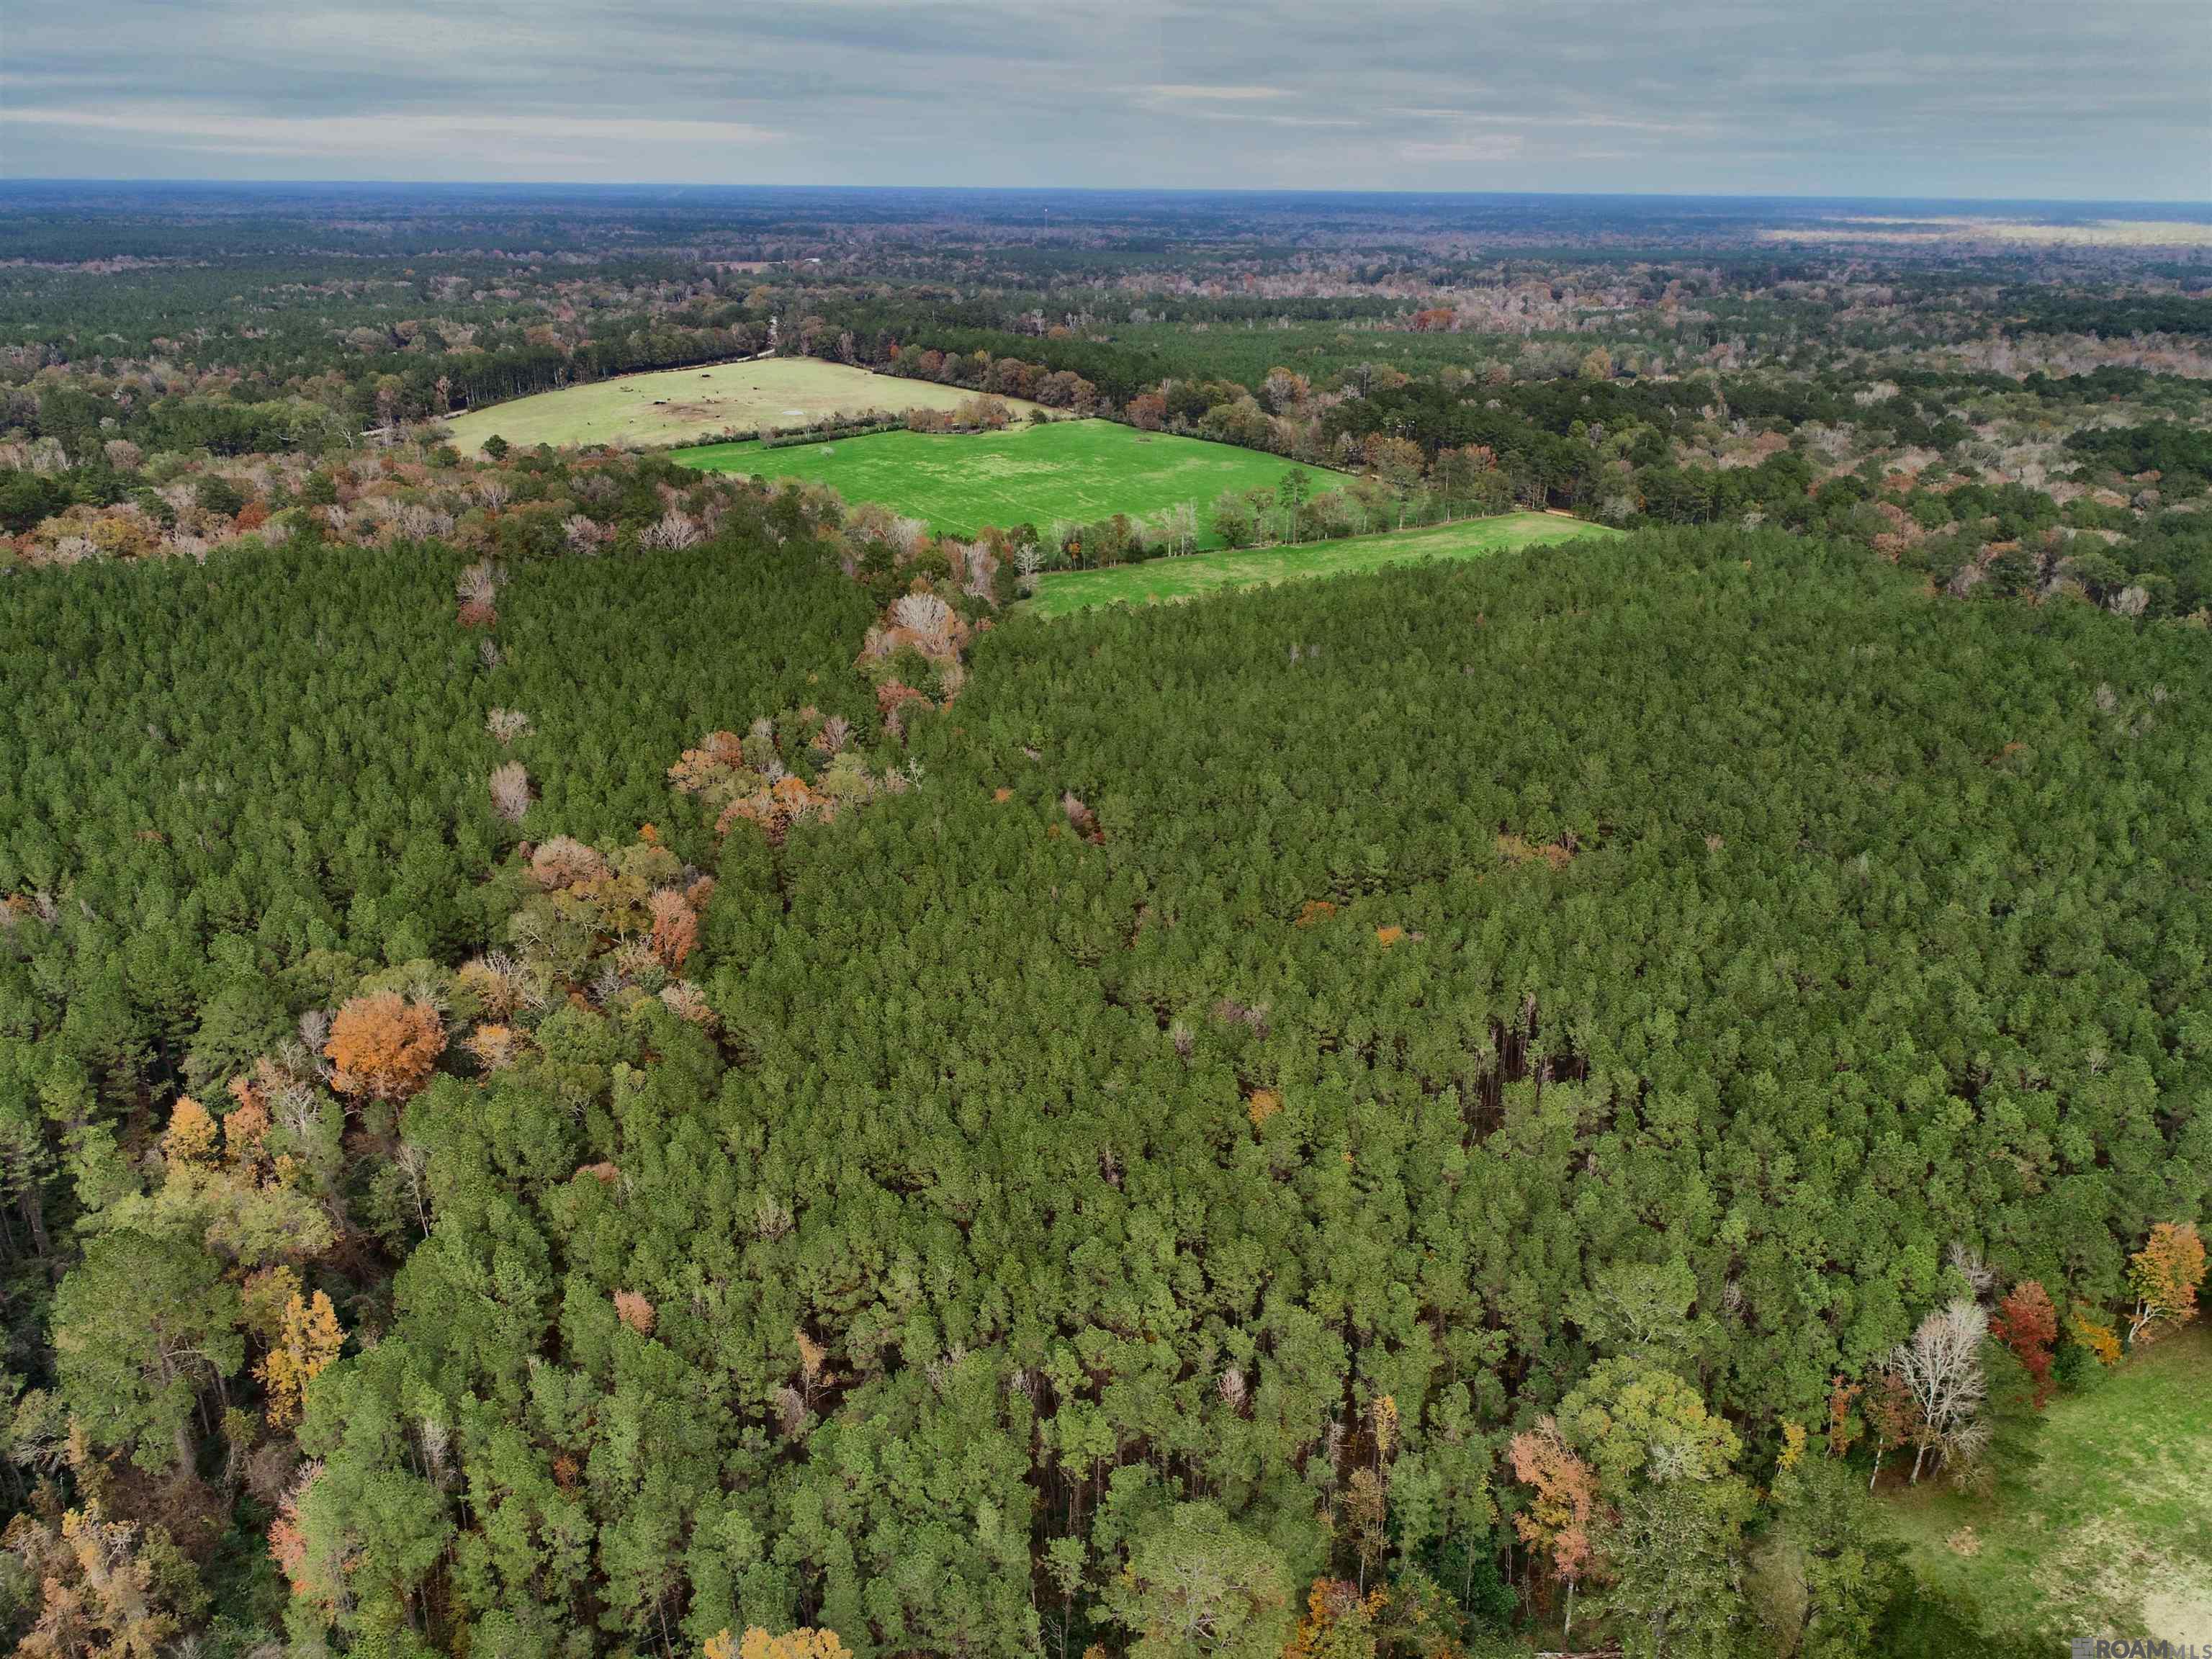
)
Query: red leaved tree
[{"x": 2028, "y": 1325}]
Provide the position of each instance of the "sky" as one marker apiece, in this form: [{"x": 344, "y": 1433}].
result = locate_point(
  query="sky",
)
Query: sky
[{"x": 2096, "y": 99}]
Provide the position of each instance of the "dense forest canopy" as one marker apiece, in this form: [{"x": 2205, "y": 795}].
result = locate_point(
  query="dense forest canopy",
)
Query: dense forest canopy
[
  {"x": 597, "y": 1058},
  {"x": 1099, "y": 1175}
]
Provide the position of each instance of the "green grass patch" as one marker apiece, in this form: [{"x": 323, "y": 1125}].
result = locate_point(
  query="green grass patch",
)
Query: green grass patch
[
  {"x": 1077, "y": 471},
  {"x": 1158, "y": 580},
  {"x": 672, "y": 405},
  {"x": 2111, "y": 1533}
]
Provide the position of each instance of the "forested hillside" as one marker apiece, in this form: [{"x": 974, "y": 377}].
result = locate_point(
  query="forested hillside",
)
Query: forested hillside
[
  {"x": 290, "y": 753},
  {"x": 257, "y": 810},
  {"x": 599, "y": 1060},
  {"x": 1414, "y": 991}
]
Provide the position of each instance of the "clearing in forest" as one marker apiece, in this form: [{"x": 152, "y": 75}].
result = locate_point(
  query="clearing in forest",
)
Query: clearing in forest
[
  {"x": 2111, "y": 1533},
  {"x": 1157, "y": 580},
  {"x": 1076, "y": 471},
  {"x": 672, "y": 405}
]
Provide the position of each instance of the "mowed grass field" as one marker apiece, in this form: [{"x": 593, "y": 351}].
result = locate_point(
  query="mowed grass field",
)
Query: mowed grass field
[
  {"x": 1077, "y": 471},
  {"x": 2111, "y": 1535},
  {"x": 671, "y": 404},
  {"x": 1160, "y": 580}
]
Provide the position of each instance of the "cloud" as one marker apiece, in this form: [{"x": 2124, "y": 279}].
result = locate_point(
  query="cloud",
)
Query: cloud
[
  {"x": 1486, "y": 147},
  {"x": 1180, "y": 92},
  {"x": 349, "y": 134},
  {"x": 429, "y": 143},
  {"x": 2018, "y": 98},
  {"x": 1228, "y": 102}
]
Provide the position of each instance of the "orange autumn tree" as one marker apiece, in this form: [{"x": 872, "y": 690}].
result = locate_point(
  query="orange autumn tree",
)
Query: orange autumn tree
[
  {"x": 316, "y": 1580},
  {"x": 2164, "y": 1275},
  {"x": 2027, "y": 1324},
  {"x": 1559, "y": 1521},
  {"x": 1842, "y": 1430},
  {"x": 384, "y": 1047},
  {"x": 675, "y": 928}
]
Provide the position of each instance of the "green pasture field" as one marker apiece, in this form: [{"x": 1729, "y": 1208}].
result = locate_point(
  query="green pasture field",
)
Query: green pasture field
[
  {"x": 1158, "y": 580},
  {"x": 1077, "y": 470},
  {"x": 2111, "y": 1533},
  {"x": 672, "y": 405},
  {"x": 1314, "y": 350}
]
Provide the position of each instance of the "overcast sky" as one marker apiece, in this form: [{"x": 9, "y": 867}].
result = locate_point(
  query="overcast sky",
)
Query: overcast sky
[{"x": 2097, "y": 98}]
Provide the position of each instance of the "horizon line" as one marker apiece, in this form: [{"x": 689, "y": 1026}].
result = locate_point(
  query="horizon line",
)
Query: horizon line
[{"x": 11, "y": 180}]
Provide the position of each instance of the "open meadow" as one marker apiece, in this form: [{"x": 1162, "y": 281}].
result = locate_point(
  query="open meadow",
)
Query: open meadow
[
  {"x": 672, "y": 405},
  {"x": 1158, "y": 580},
  {"x": 1068, "y": 470},
  {"x": 2111, "y": 1533}
]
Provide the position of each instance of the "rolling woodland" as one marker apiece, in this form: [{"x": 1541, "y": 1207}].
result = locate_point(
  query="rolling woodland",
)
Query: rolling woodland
[{"x": 602, "y": 1058}]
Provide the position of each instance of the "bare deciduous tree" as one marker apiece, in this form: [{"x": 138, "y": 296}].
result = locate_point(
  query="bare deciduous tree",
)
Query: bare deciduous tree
[
  {"x": 909, "y": 536},
  {"x": 1941, "y": 1367},
  {"x": 507, "y": 725},
  {"x": 510, "y": 791},
  {"x": 1967, "y": 1262},
  {"x": 925, "y": 613},
  {"x": 978, "y": 565},
  {"x": 582, "y": 533},
  {"x": 479, "y": 584},
  {"x": 673, "y": 530}
]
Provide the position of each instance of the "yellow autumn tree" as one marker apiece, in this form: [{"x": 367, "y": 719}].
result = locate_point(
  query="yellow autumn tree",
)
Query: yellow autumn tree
[
  {"x": 1340, "y": 1621},
  {"x": 190, "y": 1136},
  {"x": 757, "y": 1644},
  {"x": 2094, "y": 1332},
  {"x": 1386, "y": 1426},
  {"x": 1793, "y": 1445},
  {"x": 310, "y": 1338},
  {"x": 2164, "y": 1275},
  {"x": 100, "y": 1599}
]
